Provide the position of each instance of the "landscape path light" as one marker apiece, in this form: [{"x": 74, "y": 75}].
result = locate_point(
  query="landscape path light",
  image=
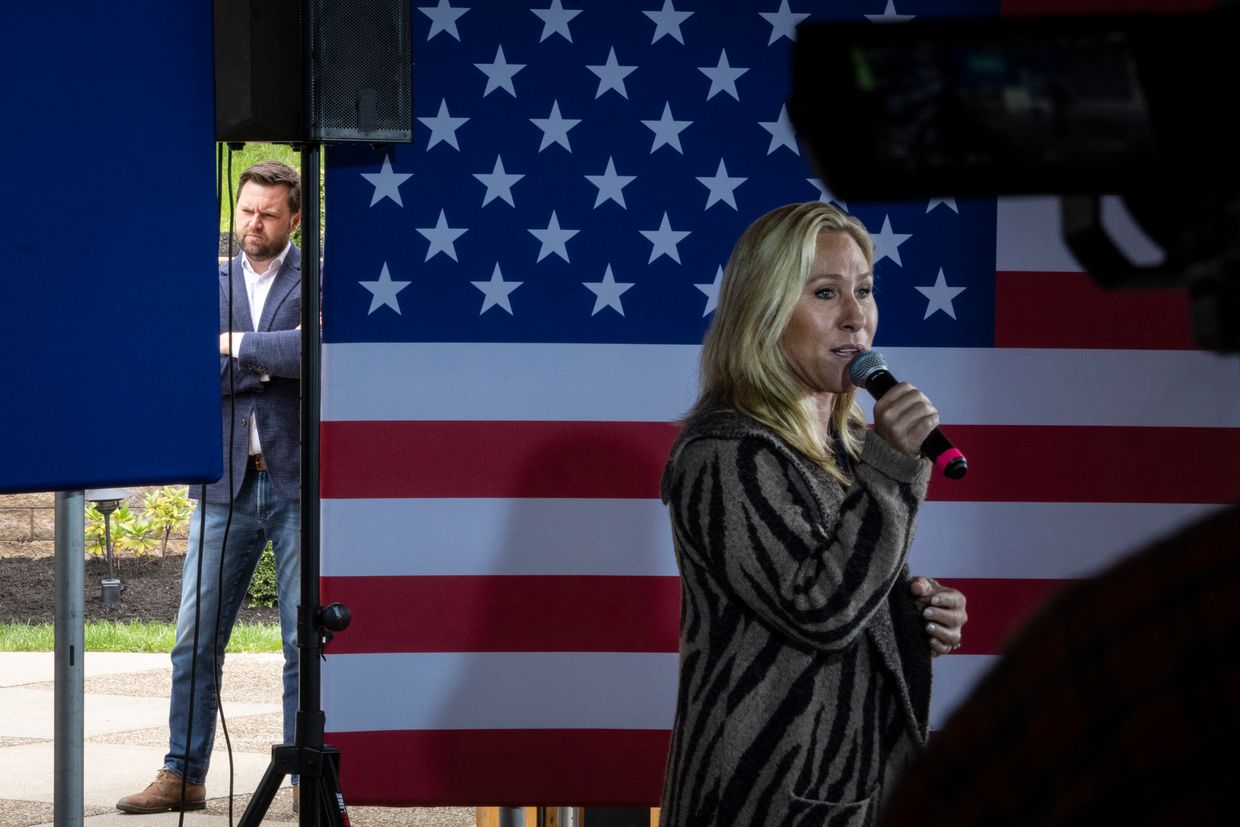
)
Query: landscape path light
[{"x": 107, "y": 500}]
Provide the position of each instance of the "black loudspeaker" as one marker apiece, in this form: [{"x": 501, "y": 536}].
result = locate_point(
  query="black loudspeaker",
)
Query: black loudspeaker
[
  {"x": 259, "y": 71},
  {"x": 357, "y": 84},
  {"x": 361, "y": 88}
]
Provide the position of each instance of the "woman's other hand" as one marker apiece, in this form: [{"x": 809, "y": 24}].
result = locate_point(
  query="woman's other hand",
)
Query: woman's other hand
[{"x": 943, "y": 611}]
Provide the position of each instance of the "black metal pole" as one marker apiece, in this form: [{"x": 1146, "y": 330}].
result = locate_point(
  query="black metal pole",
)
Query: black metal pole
[
  {"x": 321, "y": 802},
  {"x": 310, "y": 717},
  {"x": 320, "y": 797}
]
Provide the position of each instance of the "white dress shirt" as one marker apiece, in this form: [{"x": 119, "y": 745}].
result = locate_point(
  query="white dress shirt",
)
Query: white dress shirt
[{"x": 257, "y": 286}]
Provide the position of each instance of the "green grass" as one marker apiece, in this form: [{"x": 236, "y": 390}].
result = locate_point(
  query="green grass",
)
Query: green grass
[{"x": 132, "y": 636}]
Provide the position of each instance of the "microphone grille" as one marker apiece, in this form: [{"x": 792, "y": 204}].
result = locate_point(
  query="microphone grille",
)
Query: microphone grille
[{"x": 865, "y": 365}]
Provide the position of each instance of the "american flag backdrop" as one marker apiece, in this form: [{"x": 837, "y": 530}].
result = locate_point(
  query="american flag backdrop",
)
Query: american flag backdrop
[{"x": 513, "y": 308}]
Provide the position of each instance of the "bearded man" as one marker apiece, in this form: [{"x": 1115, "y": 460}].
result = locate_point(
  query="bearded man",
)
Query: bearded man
[{"x": 259, "y": 497}]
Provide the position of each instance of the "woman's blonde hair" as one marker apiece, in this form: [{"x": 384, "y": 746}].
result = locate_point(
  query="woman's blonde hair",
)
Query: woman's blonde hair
[{"x": 743, "y": 366}]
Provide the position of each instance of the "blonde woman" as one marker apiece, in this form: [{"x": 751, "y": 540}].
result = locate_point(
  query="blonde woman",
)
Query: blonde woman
[{"x": 805, "y": 645}]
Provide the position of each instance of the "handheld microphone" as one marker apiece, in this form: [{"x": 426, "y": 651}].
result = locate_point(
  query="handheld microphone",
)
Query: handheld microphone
[{"x": 869, "y": 370}]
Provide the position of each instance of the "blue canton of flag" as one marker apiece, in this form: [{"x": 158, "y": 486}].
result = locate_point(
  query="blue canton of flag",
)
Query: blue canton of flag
[{"x": 580, "y": 172}]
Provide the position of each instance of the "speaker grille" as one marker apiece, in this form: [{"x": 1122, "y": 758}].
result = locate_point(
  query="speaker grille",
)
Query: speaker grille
[{"x": 361, "y": 86}]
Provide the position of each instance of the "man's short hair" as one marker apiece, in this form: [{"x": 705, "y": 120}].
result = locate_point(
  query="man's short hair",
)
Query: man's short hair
[{"x": 273, "y": 173}]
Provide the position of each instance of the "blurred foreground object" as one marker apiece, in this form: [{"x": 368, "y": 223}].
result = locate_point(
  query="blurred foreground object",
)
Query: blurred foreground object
[
  {"x": 1117, "y": 705},
  {"x": 1081, "y": 106}
]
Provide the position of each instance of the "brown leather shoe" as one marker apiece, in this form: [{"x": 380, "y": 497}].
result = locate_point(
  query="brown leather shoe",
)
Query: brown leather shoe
[
  {"x": 164, "y": 793},
  {"x": 296, "y": 799}
]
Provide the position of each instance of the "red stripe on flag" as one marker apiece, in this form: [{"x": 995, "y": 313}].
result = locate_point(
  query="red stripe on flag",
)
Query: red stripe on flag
[
  {"x": 1020, "y": 463},
  {"x": 494, "y": 459},
  {"x": 587, "y": 614},
  {"x": 506, "y": 613},
  {"x": 624, "y": 460},
  {"x": 509, "y": 767},
  {"x": 1069, "y": 310},
  {"x": 998, "y": 608}
]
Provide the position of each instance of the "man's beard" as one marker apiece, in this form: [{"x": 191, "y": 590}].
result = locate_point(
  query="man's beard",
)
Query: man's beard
[{"x": 261, "y": 250}]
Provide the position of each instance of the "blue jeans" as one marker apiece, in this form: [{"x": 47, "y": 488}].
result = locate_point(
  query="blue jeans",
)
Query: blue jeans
[{"x": 259, "y": 514}]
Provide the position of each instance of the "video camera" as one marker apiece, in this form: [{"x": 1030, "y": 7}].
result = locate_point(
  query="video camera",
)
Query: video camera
[{"x": 1078, "y": 106}]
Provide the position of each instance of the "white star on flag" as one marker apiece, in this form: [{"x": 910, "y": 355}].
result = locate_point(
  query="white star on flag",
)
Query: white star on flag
[
  {"x": 722, "y": 188},
  {"x": 781, "y": 132},
  {"x": 889, "y": 15},
  {"x": 947, "y": 202},
  {"x": 383, "y": 291},
  {"x": 555, "y": 20},
  {"x": 667, "y": 130},
  {"x": 496, "y": 291},
  {"x": 940, "y": 296},
  {"x": 611, "y": 76},
  {"x": 499, "y": 73},
  {"x": 554, "y": 239},
  {"x": 607, "y": 292},
  {"x": 443, "y": 127},
  {"x": 498, "y": 183},
  {"x": 441, "y": 237},
  {"x": 386, "y": 182},
  {"x": 887, "y": 243},
  {"x": 555, "y": 128},
  {"x": 825, "y": 195},
  {"x": 664, "y": 240},
  {"x": 443, "y": 18},
  {"x": 722, "y": 76},
  {"x": 712, "y": 292},
  {"x": 667, "y": 21},
  {"x": 610, "y": 185},
  {"x": 783, "y": 22}
]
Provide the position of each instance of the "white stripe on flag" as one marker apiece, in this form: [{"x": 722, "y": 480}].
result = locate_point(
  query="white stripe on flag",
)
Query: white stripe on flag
[
  {"x": 500, "y": 690},
  {"x": 955, "y": 676},
  {"x": 401, "y": 537},
  {"x": 648, "y": 383},
  {"x": 1030, "y": 235},
  {"x": 1037, "y": 540},
  {"x": 509, "y": 381},
  {"x": 632, "y": 537},
  {"x": 536, "y": 690}
]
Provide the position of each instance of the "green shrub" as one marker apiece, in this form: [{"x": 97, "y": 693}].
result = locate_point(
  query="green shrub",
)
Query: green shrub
[
  {"x": 132, "y": 532},
  {"x": 262, "y": 590},
  {"x": 168, "y": 510},
  {"x": 96, "y": 543},
  {"x": 165, "y": 511}
]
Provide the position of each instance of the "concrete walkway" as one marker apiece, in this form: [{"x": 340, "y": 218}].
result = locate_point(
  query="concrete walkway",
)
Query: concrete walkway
[{"x": 126, "y": 736}]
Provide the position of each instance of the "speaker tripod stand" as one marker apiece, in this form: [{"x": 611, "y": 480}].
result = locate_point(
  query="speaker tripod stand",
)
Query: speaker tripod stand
[{"x": 321, "y": 802}]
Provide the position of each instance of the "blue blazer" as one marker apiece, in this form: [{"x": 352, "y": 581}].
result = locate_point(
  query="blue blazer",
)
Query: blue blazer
[{"x": 274, "y": 348}]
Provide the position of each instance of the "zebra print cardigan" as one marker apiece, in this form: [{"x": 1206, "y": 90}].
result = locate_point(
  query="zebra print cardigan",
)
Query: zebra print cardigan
[{"x": 804, "y": 668}]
